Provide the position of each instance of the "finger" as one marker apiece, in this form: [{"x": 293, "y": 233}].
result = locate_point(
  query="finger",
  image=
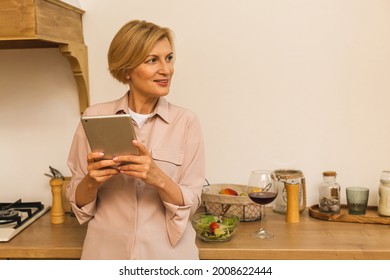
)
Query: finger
[
  {"x": 134, "y": 158},
  {"x": 101, "y": 177},
  {"x": 128, "y": 159},
  {"x": 141, "y": 148},
  {"x": 140, "y": 174},
  {"x": 101, "y": 164},
  {"x": 103, "y": 172},
  {"x": 133, "y": 167},
  {"x": 91, "y": 157}
]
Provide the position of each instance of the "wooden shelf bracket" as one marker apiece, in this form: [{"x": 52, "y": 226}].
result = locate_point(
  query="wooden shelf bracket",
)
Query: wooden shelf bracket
[{"x": 77, "y": 55}]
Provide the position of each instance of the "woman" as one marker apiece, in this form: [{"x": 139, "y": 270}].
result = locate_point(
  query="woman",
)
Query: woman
[{"x": 142, "y": 209}]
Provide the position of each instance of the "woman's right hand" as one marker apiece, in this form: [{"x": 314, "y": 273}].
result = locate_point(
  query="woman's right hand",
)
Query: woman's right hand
[{"x": 99, "y": 169}]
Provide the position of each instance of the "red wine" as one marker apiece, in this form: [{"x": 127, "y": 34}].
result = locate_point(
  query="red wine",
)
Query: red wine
[{"x": 262, "y": 197}]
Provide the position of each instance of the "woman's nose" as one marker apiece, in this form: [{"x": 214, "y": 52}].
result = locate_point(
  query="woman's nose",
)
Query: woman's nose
[{"x": 165, "y": 68}]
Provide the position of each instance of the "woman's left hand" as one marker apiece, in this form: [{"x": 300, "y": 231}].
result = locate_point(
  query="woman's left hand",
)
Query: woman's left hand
[
  {"x": 144, "y": 168},
  {"x": 141, "y": 166}
]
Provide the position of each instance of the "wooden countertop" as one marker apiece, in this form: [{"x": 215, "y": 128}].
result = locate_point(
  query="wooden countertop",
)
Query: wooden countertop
[
  {"x": 42, "y": 240},
  {"x": 309, "y": 239}
]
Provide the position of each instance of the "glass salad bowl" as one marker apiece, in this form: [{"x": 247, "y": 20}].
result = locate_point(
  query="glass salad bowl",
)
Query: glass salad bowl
[{"x": 211, "y": 227}]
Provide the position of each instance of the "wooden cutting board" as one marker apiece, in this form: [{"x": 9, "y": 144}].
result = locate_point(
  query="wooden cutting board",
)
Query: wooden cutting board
[{"x": 371, "y": 216}]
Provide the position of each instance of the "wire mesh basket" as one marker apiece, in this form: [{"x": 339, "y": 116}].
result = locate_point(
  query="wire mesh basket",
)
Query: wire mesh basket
[{"x": 240, "y": 205}]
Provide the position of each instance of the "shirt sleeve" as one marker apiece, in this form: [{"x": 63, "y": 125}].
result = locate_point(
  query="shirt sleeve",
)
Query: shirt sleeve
[
  {"x": 77, "y": 163},
  {"x": 191, "y": 183}
]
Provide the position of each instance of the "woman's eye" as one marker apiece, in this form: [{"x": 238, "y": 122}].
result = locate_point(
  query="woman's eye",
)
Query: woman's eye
[
  {"x": 152, "y": 60},
  {"x": 169, "y": 58}
]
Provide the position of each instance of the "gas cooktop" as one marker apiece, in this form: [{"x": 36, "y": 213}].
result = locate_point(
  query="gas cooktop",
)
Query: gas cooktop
[{"x": 16, "y": 216}]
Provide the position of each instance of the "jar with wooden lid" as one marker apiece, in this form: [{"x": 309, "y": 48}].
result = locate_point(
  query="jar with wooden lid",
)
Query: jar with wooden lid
[
  {"x": 329, "y": 194},
  {"x": 384, "y": 194}
]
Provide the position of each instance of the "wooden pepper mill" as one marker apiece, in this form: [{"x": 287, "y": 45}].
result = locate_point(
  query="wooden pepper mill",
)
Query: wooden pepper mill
[
  {"x": 57, "y": 213},
  {"x": 292, "y": 214}
]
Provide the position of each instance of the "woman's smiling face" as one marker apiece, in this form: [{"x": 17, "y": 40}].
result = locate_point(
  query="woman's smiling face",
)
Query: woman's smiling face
[{"x": 152, "y": 78}]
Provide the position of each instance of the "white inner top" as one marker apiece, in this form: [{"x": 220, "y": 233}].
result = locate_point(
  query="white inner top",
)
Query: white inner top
[{"x": 139, "y": 118}]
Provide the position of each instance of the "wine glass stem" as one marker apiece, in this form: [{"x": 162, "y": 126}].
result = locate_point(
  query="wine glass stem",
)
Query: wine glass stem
[{"x": 262, "y": 218}]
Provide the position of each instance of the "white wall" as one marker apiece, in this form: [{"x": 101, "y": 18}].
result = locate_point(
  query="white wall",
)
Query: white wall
[{"x": 276, "y": 84}]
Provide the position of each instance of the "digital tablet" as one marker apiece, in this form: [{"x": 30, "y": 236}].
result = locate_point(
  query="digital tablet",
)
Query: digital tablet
[{"x": 111, "y": 135}]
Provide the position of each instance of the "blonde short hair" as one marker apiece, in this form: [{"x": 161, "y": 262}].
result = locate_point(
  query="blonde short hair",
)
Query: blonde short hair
[{"x": 132, "y": 44}]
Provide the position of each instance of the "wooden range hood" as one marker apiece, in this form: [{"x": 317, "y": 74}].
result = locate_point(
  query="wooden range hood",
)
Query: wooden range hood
[{"x": 48, "y": 24}]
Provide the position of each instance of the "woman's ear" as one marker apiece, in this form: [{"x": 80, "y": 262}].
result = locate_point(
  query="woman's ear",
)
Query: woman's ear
[{"x": 127, "y": 74}]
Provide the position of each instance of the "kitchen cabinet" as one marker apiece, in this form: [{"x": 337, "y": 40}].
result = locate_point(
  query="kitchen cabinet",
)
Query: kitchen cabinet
[
  {"x": 48, "y": 24},
  {"x": 309, "y": 239}
]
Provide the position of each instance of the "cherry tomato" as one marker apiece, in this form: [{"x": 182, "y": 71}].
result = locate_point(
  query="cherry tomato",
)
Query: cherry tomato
[{"x": 213, "y": 226}]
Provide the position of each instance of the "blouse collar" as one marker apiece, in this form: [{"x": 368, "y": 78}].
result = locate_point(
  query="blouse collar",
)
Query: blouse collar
[{"x": 161, "y": 109}]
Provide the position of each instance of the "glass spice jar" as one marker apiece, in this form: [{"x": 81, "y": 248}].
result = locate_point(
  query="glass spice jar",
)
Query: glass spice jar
[
  {"x": 329, "y": 194},
  {"x": 384, "y": 194}
]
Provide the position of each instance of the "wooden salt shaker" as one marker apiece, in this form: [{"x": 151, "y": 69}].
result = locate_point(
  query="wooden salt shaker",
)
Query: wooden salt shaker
[
  {"x": 57, "y": 213},
  {"x": 292, "y": 214}
]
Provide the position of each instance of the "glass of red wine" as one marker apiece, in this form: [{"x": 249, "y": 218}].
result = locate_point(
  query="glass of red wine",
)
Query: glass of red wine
[{"x": 262, "y": 190}]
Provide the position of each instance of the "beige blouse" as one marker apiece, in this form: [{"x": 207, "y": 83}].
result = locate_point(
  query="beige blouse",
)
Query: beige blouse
[{"x": 128, "y": 220}]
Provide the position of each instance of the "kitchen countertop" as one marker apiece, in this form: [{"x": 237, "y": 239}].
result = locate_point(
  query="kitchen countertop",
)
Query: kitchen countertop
[{"x": 308, "y": 239}]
